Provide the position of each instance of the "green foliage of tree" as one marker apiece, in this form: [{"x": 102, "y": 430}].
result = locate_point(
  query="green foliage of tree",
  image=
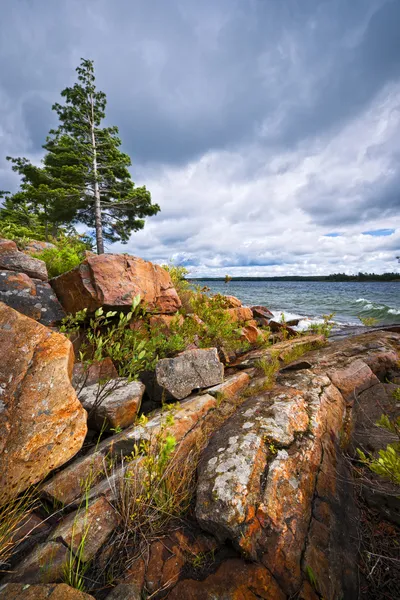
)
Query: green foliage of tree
[
  {"x": 84, "y": 176},
  {"x": 20, "y": 223}
]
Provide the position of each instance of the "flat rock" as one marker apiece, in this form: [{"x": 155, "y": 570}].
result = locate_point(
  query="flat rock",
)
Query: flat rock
[
  {"x": 42, "y": 422},
  {"x": 190, "y": 370},
  {"x": 281, "y": 351},
  {"x": 31, "y": 297},
  {"x": 353, "y": 379},
  {"x": 231, "y": 386},
  {"x": 22, "y": 263},
  {"x": 113, "y": 280},
  {"x": 113, "y": 405},
  {"x": 61, "y": 591}
]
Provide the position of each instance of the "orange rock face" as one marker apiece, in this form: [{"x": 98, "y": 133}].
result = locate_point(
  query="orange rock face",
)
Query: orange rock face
[
  {"x": 251, "y": 333},
  {"x": 240, "y": 314},
  {"x": 234, "y": 580},
  {"x": 7, "y": 246},
  {"x": 113, "y": 280},
  {"x": 232, "y": 302},
  {"x": 42, "y": 423}
]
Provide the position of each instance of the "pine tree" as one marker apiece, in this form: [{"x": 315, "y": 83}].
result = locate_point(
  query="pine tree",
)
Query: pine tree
[{"x": 85, "y": 177}]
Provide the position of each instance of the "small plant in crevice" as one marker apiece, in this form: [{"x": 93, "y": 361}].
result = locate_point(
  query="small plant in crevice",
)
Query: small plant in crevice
[
  {"x": 269, "y": 366},
  {"x": 368, "y": 321},
  {"x": 325, "y": 327},
  {"x": 386, "y": 463},
  {"x": 311, "y": 577}
]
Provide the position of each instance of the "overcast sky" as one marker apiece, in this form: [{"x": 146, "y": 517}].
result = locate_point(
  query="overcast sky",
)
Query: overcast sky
[{"x": 267, "y": 130}]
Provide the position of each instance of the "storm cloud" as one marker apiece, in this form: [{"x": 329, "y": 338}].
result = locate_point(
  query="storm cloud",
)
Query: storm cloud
[{"x": 262, "y": 128}]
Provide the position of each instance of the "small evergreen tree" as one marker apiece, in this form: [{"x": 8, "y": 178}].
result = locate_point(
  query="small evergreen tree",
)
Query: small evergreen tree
[{"x": 85, "y": 176}]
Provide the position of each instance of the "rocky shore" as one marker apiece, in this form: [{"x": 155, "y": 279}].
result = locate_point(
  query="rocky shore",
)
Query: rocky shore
[{"x": 224, "y": 471}]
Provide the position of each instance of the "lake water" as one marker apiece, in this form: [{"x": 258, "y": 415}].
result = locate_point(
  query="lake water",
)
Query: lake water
[{"x": 312, "y": 299}]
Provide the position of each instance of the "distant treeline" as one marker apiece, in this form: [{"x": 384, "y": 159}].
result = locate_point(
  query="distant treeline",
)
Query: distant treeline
[{"x": 333, "y": 277}]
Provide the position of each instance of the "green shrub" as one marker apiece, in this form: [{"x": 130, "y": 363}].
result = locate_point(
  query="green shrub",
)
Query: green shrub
[
  {"x": 368, "y": 321},
  {"x": 108, "y": 335},
  {"x": 68, "y": 254},
  {"x": 178, "y": 276}
]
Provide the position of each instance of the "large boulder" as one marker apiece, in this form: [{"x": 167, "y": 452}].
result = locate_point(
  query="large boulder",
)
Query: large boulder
[
  {"x": 113, "y": 280},
  {"x": 42, "y": 422},
  {"x": 190, "y": 370},
  {"x": 31, "y": 297},
  {"x": 13, "y": 260}
]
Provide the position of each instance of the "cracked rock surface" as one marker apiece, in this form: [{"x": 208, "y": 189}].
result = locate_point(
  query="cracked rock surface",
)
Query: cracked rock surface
[{"x": 272, "y": 479}]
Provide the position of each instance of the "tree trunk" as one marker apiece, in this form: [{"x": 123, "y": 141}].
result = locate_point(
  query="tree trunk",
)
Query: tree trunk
[{"x": 97, "y": 206}]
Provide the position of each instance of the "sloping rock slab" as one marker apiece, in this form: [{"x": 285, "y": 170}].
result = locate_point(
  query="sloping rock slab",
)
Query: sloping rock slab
[
  {"x": 22, "y": 263},
  {"x": 66, "y": 486},
  {"x": 42, "y": 422},
  {"x": 94, "y": 523},
  {"x": 190, "y": 370},
  {"x": 113, "y": 280},
  {"x": 31, "y": 297},
  {"x": 235, "y": 460}
]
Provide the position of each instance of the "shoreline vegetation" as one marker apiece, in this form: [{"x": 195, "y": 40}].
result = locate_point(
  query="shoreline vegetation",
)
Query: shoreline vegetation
[{"x": 334, "y": 277}]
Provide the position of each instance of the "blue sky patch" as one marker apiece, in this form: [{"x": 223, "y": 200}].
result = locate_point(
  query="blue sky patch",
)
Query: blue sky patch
[{"x": 379, "y": 232}]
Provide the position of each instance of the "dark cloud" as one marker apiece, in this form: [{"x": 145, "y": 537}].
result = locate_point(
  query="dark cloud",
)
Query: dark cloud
[{"x": 258, "y": 125}]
